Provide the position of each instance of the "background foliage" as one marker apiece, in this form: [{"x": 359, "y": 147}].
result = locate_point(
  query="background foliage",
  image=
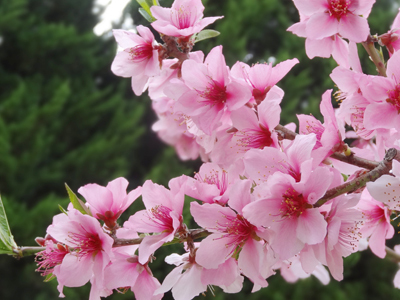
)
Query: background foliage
[{"x": 64, "y": 117}]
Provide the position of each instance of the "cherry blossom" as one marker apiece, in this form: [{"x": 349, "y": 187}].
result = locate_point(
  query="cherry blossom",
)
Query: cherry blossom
[
  {"x": 108, "y": 203},
  {"x": 139, "y": 59},
  {"x": 183, "y": 19}
]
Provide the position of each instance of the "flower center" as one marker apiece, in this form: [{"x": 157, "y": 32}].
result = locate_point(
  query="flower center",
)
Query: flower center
[
  {"x": 86, "y": 243},
  {"x": 214, "y": 179},
  {"x": 251, "y": 138},
  {"x": 140, "y": 52},
  {"x": 237, "y": 229},
  {"x": 160, "y": 214},
  {"x": 52, "y": 256},
  {"x": 293, "y": 204},
  {"x": 338, "y": 8},
  {"x": 394, "y": 97},
  {"x": 214, "y": 94},
  {"x": 259, "y": 96},
  {"x": 317, "y": 128},
  {"x": 182, "y": 18}
]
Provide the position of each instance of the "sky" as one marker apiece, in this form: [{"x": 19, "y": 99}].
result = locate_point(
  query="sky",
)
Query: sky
[{"x": 112, "y": 14}]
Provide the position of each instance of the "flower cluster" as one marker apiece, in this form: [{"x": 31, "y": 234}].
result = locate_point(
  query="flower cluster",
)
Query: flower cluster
[{"x": 267, "y": 198}]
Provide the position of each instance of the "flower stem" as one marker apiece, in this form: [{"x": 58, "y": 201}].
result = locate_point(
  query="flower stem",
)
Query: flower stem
[{"x": 369, "y": 46}]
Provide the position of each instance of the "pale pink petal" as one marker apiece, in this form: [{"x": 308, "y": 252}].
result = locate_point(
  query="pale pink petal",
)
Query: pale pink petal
[
  {"x": 381, "y": 115},
  {"x": 145, "y": 287},
  {"x": 286, "y": 244},
  {"x": 377, "y": 240},
  {"x": 320, "y": 48},
  {"x": 170, "y": 280},
  {"x": 281, "y": 69},
  {"x": 354, "y": 28},
  {"x": 189, "y": 284},
  {"x": 239, "y": 195},
  {"x": 340, "y": 52},
  {"x": 321, "y": 25},
  {"x": 311, "y": 228},
  {"x": 250, "y": 261},
  {"x": 309, "y": 7},
  {"x": 99, "y": 197},
  {"x": 75, "y": 271},
  {"x": 208, "y": 215},
  {"x": 151, "y": 243},
  {"x": 237, "y": 95},
  {"x": 393, "y": 66},
  {"x": 214, "y": 250}
]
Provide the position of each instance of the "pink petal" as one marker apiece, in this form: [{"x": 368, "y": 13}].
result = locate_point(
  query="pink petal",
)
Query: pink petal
[
  {"x": 320, "y": 48},
  {"x": 311, "y": 227},
  {"x": 189, "y": 284},
  {"x": 393, "y": 66},
  {"x": 354, "y": 28},
  {"x": 250, "y": 261},
  {"x": 321, "y": 25},
  {"x": 145, "y": 287},
  {"x": 214, "y": 250},
  {"x": 208, "y": 215}
]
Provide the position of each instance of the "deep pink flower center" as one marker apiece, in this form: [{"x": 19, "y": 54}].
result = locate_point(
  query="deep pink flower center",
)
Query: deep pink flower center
[
  {"x": 182, "y": 18},
  {"x": 52, "y": 256},
  {"x": 394, "y": 97},
  {"x": 237, "y": 229},
  {"x": 141, "y": 52},
  {"x": 293, "y": 204},
  {"x": 252, "y": 138},
  {"x": 375, "y": 215},
  {"x": 318, "y": 129},
  {"x": 214, "y": 178},
  {"x": 86, "y": 243},
  {"x": 338, "y": 8},
  {"x": 214, "y": 94},
  {"x": 160, "y": 215},
  {"x": 259, "y": 95}
]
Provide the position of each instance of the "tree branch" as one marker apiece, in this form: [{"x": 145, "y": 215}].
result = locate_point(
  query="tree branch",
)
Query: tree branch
[
  {"x": 383, "y": 167},
  {"x": 287, "y": 134}
]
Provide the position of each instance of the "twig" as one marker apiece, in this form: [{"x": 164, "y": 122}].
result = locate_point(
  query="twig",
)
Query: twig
[{"x": 383, "y": 167}]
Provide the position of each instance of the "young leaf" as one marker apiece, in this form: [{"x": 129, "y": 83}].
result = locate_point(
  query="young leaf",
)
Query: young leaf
[
  {"x": 146, "y": 15},
  {"x": 62, "y": 209},
  {"x": 206, "y": 34},
  {"x": 76, "y": 202},
  {"x": 7, "y": 243}
]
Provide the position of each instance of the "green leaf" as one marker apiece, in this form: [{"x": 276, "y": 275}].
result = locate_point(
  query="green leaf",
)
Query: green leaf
[
  {"x": 206, "y": 34},
  {"x": 7, "y": 243},
  {"x": 76, "y": 202},
  {"x": 62, "y": 209},
  {"x": 345, "y": 177},
  {"x": 49, "y": 277},
  {"x": 146, "y": 15},
  {"x": 145, "y": 5}
]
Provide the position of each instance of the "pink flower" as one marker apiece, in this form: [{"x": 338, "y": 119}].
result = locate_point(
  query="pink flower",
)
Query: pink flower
[
  {"x": 232, "y": 232},
  {"x": 51, "y": 258},
  {"x": 386, "y": 188},
  {"x": 376, "y": 223},
  {"x": 286, "y": 207},
  {"x": 126, "y": 271},
  {"x": 213, "y": 93},
  {"x": 108, "y": 203},
  {"x": 262, "y": 77},
  {"x": 342, "y": 238},
  {"x": 330, "y": 134},
  {"x": 330, "y": 17},
  {"x": 189, "y": 279},
  {"x": 211, "y": 184},
  {"x": 139, "y": 59},
  {"x": 384, "y": 95},
  {"x": 90, "y": 251},
  {"x": 163, "y": 215},
  {"x": 296, "y": 160},
  {"x": 183, "y": 19},
  {"x": 391, "y": 39}
]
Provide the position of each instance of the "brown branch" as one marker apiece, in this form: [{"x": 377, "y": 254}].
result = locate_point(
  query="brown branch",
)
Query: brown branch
[
  {"x": 383, "y": 167},
  {"x": 287, "y": 134},
  {"x": 193, "y": 234}
]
